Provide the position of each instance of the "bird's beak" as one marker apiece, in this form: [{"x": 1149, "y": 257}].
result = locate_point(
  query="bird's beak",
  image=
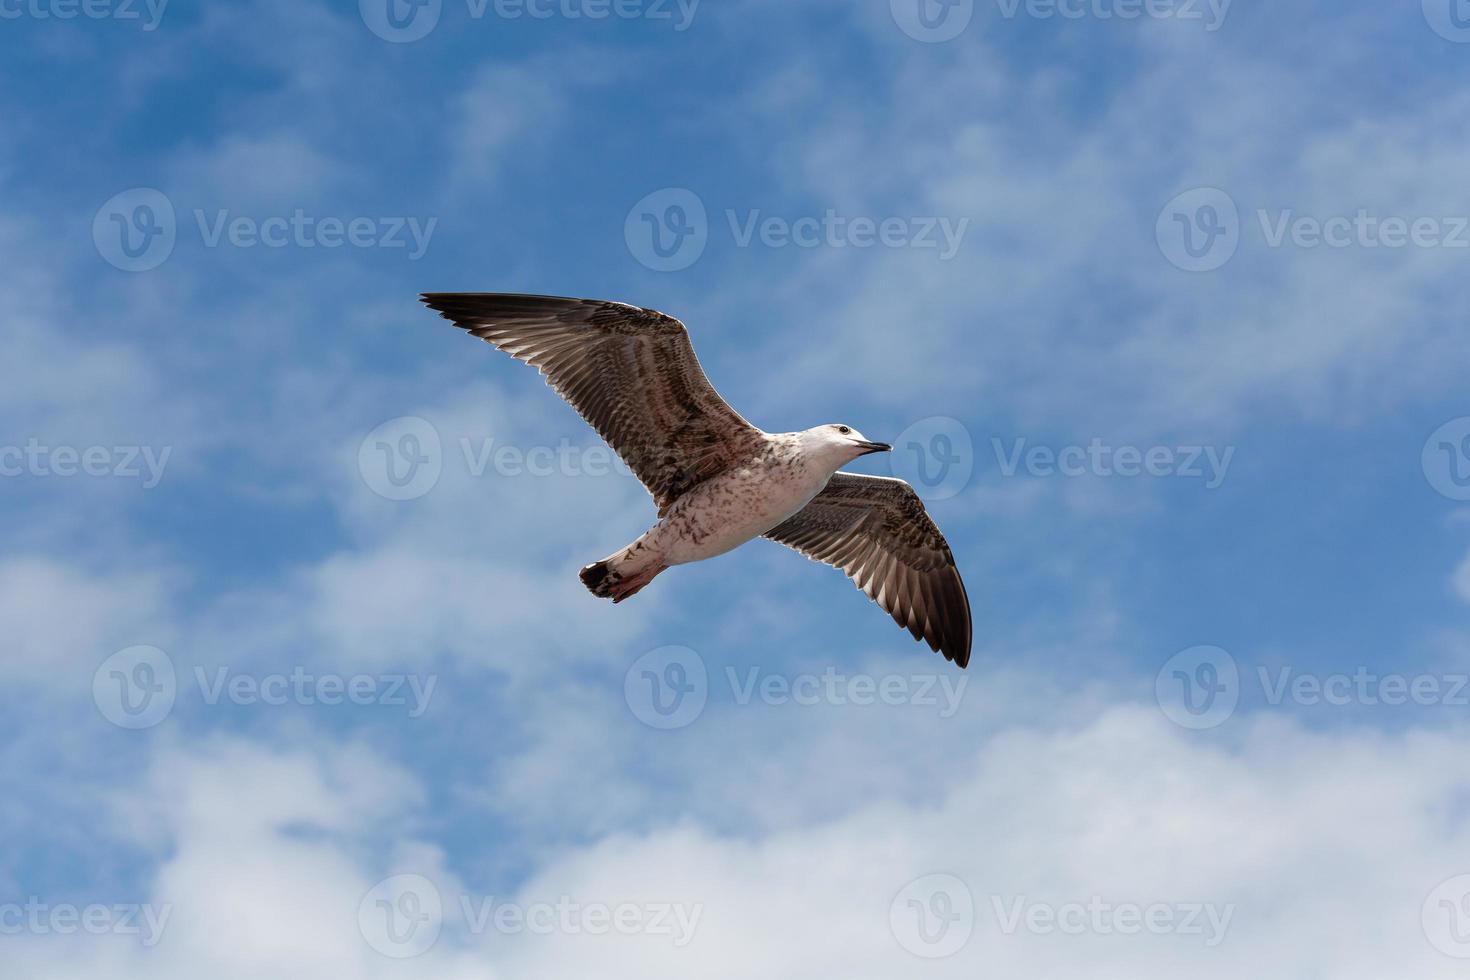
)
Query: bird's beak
[{"x": 874, "y": 447}]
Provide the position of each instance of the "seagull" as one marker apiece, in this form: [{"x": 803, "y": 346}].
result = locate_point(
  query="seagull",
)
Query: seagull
[{"x": 719, "y": 481}]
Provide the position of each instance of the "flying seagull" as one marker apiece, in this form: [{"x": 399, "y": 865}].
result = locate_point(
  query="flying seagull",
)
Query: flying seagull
[{"x": 718, "y": 480}]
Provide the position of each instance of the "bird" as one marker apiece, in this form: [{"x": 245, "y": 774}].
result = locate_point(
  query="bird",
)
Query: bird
[{"x": 719, "y": 481}]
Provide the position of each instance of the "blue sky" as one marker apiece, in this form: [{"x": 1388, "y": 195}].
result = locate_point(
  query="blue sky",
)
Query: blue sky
[{"x": 964, "y": 232}]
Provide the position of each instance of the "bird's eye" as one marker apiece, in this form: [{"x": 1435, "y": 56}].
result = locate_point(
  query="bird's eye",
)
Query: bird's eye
[{"x": 843, "y": 429}]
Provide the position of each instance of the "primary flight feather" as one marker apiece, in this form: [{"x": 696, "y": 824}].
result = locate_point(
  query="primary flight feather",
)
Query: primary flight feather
[{"x": 719, "y": 481}]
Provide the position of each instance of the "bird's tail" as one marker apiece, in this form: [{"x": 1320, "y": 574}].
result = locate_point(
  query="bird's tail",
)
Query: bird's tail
[{"x": 620, "y": 576}]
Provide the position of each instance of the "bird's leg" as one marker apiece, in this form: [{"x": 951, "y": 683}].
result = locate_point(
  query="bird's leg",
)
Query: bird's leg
[{"x": 621, "y": 575}]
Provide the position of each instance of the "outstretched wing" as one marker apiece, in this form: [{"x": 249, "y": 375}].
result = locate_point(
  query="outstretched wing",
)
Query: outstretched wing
[
  {"x": 877, "y": 531},
  {"x": 630, "y": 372}
]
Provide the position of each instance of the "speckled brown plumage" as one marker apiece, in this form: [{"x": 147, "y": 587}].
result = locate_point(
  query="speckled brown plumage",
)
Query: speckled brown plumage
[
  {"x": 630, "y": 372},
  {"x": 878, "y": 533},
  {"x": 718, "y": 480}
]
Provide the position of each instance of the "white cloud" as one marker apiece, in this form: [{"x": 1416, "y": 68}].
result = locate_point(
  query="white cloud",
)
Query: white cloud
[
  {"x": 1060, "y": 301},
  {"x": 1460, "y": 581},
  {"x": 59, "y": 621},
  {"x": 503, "y": 112},
  {"x": 1315, "y": 851}
]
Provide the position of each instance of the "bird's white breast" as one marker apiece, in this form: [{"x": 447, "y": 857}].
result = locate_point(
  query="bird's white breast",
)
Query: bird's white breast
[{"x": 738, "y": 505}]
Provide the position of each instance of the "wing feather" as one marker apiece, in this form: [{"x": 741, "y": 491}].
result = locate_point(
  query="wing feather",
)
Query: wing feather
[
  {"x": 877, "y": 532},
  {"x": 629, "y": 372}
]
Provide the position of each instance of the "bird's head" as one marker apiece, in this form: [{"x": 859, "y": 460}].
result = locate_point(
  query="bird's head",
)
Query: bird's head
[{"x": 840, "y": 443}]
